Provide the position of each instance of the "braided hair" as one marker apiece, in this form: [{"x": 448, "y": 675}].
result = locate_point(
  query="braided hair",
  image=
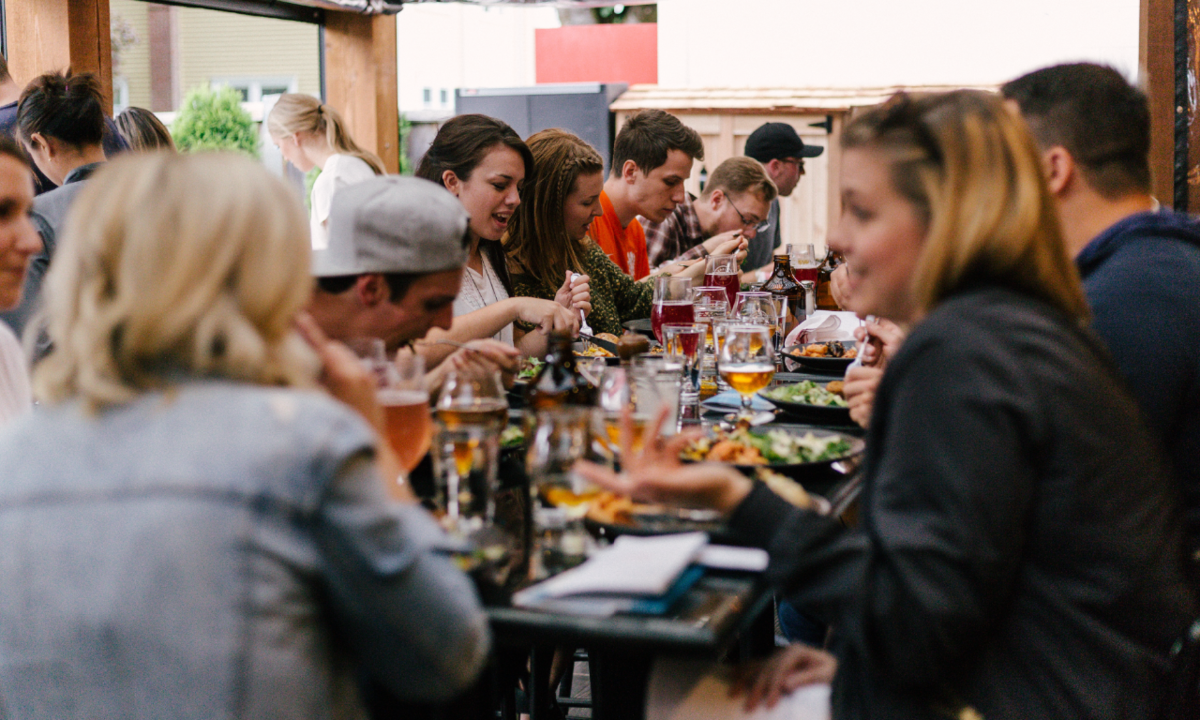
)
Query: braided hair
[{"x": 537, "y": 236}]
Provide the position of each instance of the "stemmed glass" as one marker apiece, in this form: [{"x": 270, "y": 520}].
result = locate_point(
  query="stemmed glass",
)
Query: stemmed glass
[
  {"x": 672, "y": 303},
  {"x": 471, "y": 412},
  {"x": 722, "y": 271},
  {"x": 561, "y": 436},
  {"x": 747, "y": 361},
  {"x": 684, "y": 345}
]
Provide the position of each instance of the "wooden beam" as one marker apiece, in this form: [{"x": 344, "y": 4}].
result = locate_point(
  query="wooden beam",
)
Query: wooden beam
[
  {"x": 360, "y": 80},
  {"x": 50, "y": 35},
  {"x": 1157, "y": 59}
]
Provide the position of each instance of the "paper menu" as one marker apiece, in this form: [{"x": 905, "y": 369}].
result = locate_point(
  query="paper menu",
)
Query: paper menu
[
  {"x": 699, "y": 690},
  {"x": 645, "y": 566}
]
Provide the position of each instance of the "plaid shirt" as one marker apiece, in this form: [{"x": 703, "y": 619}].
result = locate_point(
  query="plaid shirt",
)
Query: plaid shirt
[{"x": 676, "y": 238}]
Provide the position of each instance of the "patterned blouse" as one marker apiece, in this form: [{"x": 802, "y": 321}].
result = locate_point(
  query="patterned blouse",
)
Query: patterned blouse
[{"x": 616, "y": 297}]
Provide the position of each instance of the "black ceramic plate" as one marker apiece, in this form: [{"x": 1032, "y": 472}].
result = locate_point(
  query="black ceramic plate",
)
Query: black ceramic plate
[
  {"x": 641, "y": 325},
  {"x": 810, "y": 472},
  {"x": 820, "y": 364},
  {"x": 819, "y": 414}
]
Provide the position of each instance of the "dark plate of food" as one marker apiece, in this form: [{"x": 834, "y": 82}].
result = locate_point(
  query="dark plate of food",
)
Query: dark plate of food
[
  {"x": 808, "y": 399},
  {"x": 828, "y": 356},
  {"x": 803, "y": 456},
  {"x": 640, "y": 325},
  {"x": 611, "y": 515}
]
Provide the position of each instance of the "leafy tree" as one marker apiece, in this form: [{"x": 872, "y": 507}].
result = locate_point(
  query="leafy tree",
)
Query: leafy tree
[{"x": 213, "y": 119}]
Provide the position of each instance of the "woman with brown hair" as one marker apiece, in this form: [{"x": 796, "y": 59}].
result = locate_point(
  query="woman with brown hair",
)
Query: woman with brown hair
[
  {"x": 548, "y": 240},
  {"x": 311, "y": 134},
  {"x": 1019, "y": 549},
  {"x": 484, "y": 163}
]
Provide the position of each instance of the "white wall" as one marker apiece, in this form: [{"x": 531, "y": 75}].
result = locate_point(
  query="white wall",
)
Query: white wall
[
  {"x": 872, "y": 43},
  {"x": 451, "y": 45}
]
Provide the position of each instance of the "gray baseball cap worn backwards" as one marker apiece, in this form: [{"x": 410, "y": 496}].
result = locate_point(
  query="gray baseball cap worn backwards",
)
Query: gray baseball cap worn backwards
[{"x": 393, "y": 224}]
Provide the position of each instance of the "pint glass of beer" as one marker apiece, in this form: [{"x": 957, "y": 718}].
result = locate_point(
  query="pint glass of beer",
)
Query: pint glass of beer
[{"x": 405, "y": 403}]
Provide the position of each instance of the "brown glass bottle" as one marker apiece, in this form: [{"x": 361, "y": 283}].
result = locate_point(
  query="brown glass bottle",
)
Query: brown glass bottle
[
  {"x": 825, "y": 299},
  {"x": 783, "y": 284},
  {"x": 559, "y": 382}
]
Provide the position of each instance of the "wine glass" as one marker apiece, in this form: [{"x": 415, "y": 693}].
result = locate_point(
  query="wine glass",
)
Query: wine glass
[
  {"x": 747, "y": 361},
  {"x": 471, "y": 412},
  {"x": 672, "y": 303},
  {"x": 560, "y": 438},
  {"x": 711, "y": 305},
  {"x": 405, "y": 402}
]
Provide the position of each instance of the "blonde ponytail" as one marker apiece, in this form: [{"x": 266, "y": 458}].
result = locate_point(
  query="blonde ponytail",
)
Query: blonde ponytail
[{"x": 294, "y": 113}]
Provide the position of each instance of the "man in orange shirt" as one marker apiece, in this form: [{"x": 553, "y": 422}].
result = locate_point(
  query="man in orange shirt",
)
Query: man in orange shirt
[{"x": 652, "y": 156}]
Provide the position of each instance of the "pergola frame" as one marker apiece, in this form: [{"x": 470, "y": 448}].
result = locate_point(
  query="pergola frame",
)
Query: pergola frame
[{"x": 360, "y": 64}]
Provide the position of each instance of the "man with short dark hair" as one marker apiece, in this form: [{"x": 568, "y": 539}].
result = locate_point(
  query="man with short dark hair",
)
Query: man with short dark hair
[
  {"x": 1140, "y": 265},
  {"x": 652, "y": 157},
  {"x": 781, "y": 151},
  {"x": 394, "y": 265},
  {"x": 733, "y": 204}
]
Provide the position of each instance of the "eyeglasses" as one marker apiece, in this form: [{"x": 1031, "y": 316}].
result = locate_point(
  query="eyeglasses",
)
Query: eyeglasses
[
  {"x": 795, "y": 161},
  {"x": 758, "y": 225}
]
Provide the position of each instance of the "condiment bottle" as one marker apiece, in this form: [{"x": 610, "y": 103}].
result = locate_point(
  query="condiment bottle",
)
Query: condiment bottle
[
  {"x": 559, "y": 381},
  {"x": 783, "y": 284}
]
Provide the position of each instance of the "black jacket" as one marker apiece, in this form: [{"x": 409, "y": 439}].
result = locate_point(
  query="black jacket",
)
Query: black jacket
[{"x": 1020, "y": 546}]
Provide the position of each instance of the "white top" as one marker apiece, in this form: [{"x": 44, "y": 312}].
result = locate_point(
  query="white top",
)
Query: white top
[
  {"x": 16, "y": 396},
  {"x": 339, "y": 171},
  {"x": 478, "y": 291}
]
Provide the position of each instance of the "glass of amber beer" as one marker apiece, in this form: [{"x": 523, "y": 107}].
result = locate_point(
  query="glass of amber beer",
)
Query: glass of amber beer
[
  {"x": 405, "y": 403},
  {"x": 747, "y": 361}
]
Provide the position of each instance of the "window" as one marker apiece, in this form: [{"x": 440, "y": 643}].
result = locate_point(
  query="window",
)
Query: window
[
  {"x": 427, "y": 96},
  {"x": 443, "y": 95},
  {"x": 253, "y": 89}
]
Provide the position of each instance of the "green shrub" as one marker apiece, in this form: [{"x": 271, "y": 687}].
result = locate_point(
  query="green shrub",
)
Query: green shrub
[{"x": 213, "y": 119}]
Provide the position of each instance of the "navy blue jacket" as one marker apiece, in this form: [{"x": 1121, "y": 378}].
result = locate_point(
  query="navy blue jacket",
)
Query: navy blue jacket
[{"x": 1142, "y": 278}]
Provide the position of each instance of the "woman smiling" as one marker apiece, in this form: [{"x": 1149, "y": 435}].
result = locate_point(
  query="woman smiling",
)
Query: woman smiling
[
  {"x": 484, "y": 163},
  {"x": 1019, "y": 551}
]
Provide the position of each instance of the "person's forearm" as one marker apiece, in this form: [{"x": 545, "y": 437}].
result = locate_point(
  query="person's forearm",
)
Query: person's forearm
[
  {"x": 482, "y": 323},
  {"x": 533, "y": 343}
]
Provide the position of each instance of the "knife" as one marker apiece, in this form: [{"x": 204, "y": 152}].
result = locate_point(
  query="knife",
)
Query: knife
[{"x": 604, "y": 344}]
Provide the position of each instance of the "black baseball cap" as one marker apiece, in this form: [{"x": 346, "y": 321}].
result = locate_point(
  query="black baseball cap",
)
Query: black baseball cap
[{"x": 776, "y": 141}]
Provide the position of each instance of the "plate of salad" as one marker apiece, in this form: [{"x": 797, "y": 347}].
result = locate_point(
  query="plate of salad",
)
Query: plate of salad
[
  {"x": 797, "y": 455},
  {"x": 820, "y": 402}
]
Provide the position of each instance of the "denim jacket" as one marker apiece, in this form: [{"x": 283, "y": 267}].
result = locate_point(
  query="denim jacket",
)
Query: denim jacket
[{"x": 217, "y": 551}]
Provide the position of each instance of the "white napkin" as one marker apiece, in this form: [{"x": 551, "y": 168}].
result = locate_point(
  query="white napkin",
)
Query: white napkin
[
  {"x": 699, "y": 690},
  {"x": 825, "y": 325}
]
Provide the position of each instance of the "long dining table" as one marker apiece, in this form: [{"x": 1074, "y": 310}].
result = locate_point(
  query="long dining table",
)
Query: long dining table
[{"x": 725, "y": 612}]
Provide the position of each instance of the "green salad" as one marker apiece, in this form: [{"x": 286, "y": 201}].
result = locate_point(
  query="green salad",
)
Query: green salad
[
  {"x": 806, "y": 392},
  {"x": 530, "y": 370},
  {"x": 773, "y": 447},
  {"x": 512, "y": 436}
]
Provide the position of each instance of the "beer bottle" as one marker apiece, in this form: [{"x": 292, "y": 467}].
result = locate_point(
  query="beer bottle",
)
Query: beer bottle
[
  {"x": 559, "y": 382},
  {"x": 825, "y": 299},
  {"x": 783, "y": 284}
]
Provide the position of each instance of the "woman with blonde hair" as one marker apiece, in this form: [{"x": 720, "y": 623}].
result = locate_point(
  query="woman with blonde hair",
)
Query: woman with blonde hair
[
  {"x": 143, "y": 130},
  {"x": 311, "y": 134},
  {"x": 1019, "y": 548},
  {"x": 191, "y": 526}
]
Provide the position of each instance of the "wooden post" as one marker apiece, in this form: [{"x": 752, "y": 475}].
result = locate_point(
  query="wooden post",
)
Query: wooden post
[
  {"x": 1157, "y": 56},
  {"x": 360, "y": 80},
  {"x": 49, "y": 35}
]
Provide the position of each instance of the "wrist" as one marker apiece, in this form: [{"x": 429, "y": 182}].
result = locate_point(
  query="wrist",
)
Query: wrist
[{"x": 734, "y": 492}]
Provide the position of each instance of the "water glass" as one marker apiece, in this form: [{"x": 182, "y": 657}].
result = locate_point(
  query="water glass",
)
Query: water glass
[
  {"x": 684, "y": 346},
  {"x": 560, "y": 438},
  {"x": 620, "y": 389},
  {"x": 471, "y": 412},
  {"x": 672, "y": 303}
]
